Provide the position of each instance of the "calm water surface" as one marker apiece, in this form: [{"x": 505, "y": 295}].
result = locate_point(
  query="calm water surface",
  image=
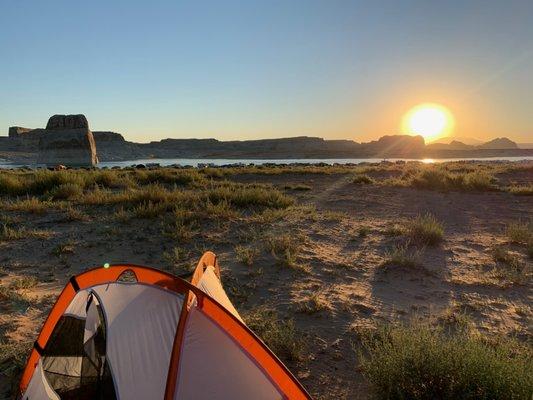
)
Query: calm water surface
[{"x": 222, "y": 161}]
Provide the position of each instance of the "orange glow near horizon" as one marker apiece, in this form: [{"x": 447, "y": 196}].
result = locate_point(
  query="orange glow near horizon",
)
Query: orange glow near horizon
[{"x": 432, "y": 121}]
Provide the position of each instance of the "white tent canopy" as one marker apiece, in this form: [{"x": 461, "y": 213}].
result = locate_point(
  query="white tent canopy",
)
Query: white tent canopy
[{"x": 156, "y": 337}]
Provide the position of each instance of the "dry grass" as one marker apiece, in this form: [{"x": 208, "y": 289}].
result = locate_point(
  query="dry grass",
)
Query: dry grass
[
  {"x": 30, "y": 205},
  {"x": 510, "y": 268},
  {"x": 362, "y": 179},
  {"x": 422, "y": 362},
  {"x": 74, "y": 214},
  {"x": 9, "y": 233},
  {"x": 522, "y": 190},
  {"x": 64, "y": 248},
  {"x": 297, "y": 186},
  {"x": 285, "y": 248},
  {"x": 279, "y": 334},
  {"x": 442, "y": 179},
  {"x": 426, "y": 230},
  {"x": 24, "y": 282},
  {"x": 246, "y": 254},
  {"x": 402, "y": 256},
  {"x": 520, "y": 232},
  {"x": 313, "y": 305}
]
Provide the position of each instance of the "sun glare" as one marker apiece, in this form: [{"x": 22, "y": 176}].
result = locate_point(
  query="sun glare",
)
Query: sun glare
[{"x": 432, "y": 121}]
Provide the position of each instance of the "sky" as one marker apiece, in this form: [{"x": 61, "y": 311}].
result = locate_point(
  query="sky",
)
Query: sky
[{"x": 236, "y": 70}]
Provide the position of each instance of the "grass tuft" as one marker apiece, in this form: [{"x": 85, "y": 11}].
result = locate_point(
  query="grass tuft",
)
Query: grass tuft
[
  {"x": 426, "y": 230},
  {"x": 403, "y": 256},
  {"x": 246, "y": 254},
  {"x": 279, "y": 334}
]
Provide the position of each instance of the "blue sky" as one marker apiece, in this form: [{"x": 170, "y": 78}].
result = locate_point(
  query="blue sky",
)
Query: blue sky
[{"x": 250, "y": 69}]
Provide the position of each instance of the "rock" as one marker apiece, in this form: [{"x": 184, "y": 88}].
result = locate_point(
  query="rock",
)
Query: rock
[
  {"x": 62, "y": 122},
  {"x": 17, "y": 131},
  {"x": 68, "y": 141}
]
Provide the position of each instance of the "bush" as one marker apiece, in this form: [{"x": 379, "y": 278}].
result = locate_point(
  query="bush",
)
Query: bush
[
  {"x": 362, "y": 179},
  {"x": 66, "y": 191},
  {"x": 437, "y": 178},
  {"x": 426, "y": 229},
  {"x": 420, "y": 362},
  {"x": 249, "y": 196},
  {"x": 520, "y": 232}
]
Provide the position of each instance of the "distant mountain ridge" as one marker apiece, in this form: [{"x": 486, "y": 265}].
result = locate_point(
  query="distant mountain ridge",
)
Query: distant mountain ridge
[{"x": 22, "y": 143}]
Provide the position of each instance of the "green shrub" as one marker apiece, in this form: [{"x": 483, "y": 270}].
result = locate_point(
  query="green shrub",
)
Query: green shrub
[
  {"x": 66, "y": 191},
  {"x": 520, "y": 232},
  {"x": 420, "y": 362},
  {"x": 426, "y": 229},
  {"x": 249, "y": 196},
  {"x": 438, "y": 178},
  {"x": 362, "y": 179}
]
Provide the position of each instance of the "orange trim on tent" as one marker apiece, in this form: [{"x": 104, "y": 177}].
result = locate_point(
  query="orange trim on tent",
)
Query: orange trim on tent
[
  {"x": 89, "y": 279},
  {"x": 172, "y": 376},
  {"x": 246, "y": 339}
]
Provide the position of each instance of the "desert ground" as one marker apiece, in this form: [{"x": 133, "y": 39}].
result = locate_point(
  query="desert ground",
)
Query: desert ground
[{"x": 314, "y": 258}]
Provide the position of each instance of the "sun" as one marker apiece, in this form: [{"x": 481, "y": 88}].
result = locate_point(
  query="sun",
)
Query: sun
[{"x": 432, "y": 121}]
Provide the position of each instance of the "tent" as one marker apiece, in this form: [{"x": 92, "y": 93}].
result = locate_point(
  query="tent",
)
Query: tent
[{"x": 132, "y": 332}]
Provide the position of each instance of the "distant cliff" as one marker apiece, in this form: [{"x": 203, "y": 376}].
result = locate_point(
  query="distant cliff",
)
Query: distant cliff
[{"x": 111, "y": 146}]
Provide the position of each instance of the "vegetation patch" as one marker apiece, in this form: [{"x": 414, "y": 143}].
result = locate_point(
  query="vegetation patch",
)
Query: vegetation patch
[
  {"x": 31, "y": 205},
  {"x": 441, "y": 179},
  {"x": 313, "y": 305},
  {"x": 246, "y": 254},
  {"x": 520, "y": 232},
  {"x": 522, "y": 190},
  {"x": 422, "y": 362},
  {"x": 403, "y": 256},
  {"x": 280, "y": 334},
  {"x": 297, "y": 186},
  {"x": 426, "y": 229},
  {"x": 23, "y": 282},
  {"x": 362, "y": 179},
  {"x": 9, "y": 233},
  {"x": 510, "y": 267},
  {"x": 285, "y": 248}
]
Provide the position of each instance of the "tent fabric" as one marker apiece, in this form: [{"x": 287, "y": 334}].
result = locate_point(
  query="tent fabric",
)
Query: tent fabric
[
  {"x": 155, "y": 336},
  {"x": 143, "y": 318},
  {"x": 228, "y": 363},
  {"x": 39, "y": 388},
  {"x": 210, "y": 284}
]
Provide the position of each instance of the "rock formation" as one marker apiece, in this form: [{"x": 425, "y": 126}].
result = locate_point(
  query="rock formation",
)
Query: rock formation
[
  {"x": 60, "y": 122},
  {"x": 67, "y": 140},
  {"x": 17, "y": 131}
]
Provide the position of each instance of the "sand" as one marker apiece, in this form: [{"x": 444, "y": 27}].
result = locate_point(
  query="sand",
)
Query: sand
[{"x": 341, "y": 269}]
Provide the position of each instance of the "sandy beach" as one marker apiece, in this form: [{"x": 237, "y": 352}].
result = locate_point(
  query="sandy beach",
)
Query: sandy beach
[{"x": 330, "y": 252}]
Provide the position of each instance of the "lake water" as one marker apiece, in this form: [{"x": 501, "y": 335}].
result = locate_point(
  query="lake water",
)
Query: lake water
[{"x": 223, "y": 161}]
